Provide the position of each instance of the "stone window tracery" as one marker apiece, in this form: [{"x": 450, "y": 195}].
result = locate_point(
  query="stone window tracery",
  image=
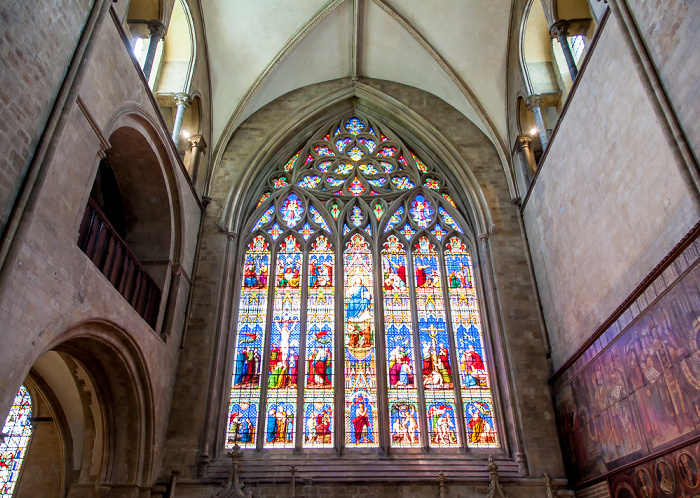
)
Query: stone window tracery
[{"x": 358, "y": 322}]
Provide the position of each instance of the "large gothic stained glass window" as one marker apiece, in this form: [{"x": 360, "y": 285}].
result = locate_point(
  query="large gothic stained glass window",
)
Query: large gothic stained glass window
[
  {"x": 16, "y": 434},
  {"x": 358, "y": 320}
]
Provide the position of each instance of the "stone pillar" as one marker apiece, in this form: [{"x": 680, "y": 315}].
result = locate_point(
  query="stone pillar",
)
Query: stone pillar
[
  {"x": 560, "y": 31},
  {"x": 524, "y": 146},
  {"x": 183, "y": 103},
  {"x": 156, "y": 31},
  {"x": 534, "y": 104},
  {"x": 197, "y": 148}
]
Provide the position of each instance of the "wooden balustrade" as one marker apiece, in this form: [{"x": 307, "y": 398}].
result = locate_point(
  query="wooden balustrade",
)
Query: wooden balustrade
[{"x": 109, "y": 252}]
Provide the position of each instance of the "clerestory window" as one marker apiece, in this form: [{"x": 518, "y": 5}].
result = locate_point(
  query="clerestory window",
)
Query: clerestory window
[
  {"x": 358, "y": 322},
  {"x": 16, "y": 435}
]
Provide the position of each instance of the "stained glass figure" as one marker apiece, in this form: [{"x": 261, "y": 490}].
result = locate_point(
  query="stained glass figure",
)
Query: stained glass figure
[
  {"x": 407, "y": 232},
  {"x": 388, "y": 167},
  {"x": 252, "y": 311},
  {"x": 395, "y": 219},
  {"x": 422, "y": 211},
  {"x": 318, "y": 219},
  {"x": 324, "y": 166},
  {"x": 398, "y": 329},
  {"x": 368, "y": 169},
  {"x": 341, "y": 143},
  {"x": 335, "y": 210},
  {"x": 370, "y": 144},
  {"x": 334, "y": 182},
  {"x": 275, "y": 231},
  {"x": 448, "y": 198},
  {"x": 377, "y": 182},
  {"x": 355, "y": 153},
  {"x": 387, "y": 151},
  {"x": 356, "y": 216},
  {"x": 265, "y": 218},
  {"x": 284, "y": 346},
  {"x": 323, "y": 150},
  {"x": 290, "y": 163},
  {"x": 359, "y": 338},
  {"x": 318, "y": 392},
  {"x": 354, "y": 126},
  {"x": 438, "y": 233},
  {"x": 435, "y": 346},
  {"x": 280, "y": 182},
  {"x": 292, "y": 210},
  {"x": 306, "y": 231},
  {"x": 356, "y": 188},
  {"x": 473, "y": 369},
  {"x": 432, "y": 183},
  {"x": 343, "y": 168},
  {"x": 402, "y": 182},
  {"x": 378, "y": 211},
  {"x": 263, "y": 197},
  {"x": 310, "y": 181},
  {"x": 421, "y": 165},
  {"x": 449, "y": 221},
  {"x": 16, "y": 434}
]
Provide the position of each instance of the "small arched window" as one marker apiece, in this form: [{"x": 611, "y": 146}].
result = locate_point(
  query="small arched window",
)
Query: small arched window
[
  {"x": 16, "y": 434},
  {"x": 358, "y": 322}
]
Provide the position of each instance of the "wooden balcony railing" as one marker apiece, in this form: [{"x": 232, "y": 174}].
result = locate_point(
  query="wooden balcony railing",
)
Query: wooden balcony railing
[{"x": 102, "y": 244}]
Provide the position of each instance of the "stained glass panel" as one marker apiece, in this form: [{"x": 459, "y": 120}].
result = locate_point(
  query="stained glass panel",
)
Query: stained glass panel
[
  {"x": 388, "y": 167},
  {"x": 370, "y": 144},
  {"x": 310, "y": 181},
  {"x": 378, "y": 211},
  {"x": 265, "y": 218},
  {"x": 343, "y": 168},
  {"x": 354, "y": 126},
  {"x": 448, "y": 198},
  {"x": 318, "y": 393},
  {"x": 284, "y": 347},
  {"x": 432, "y": 183},
  {"x": 356, "y": 216},
  {"x": 422, "y": 211},
  {"x": 290, "y": 163},
  {"x": 377, "y": 182},
  {"x": 275, "y": 231},
  {"x": 318, "y": 219},
  {"x": 334, "y": 182},
  {"x": 263, "y": 197},
  {"x": 395, "y": 219},
  {"x": 449, "y": 221},
  {"x": 368, "y": 169},
  {"x": 306, "y": 231},
  {"x": 16, "y": 433},
  {"x": 435, "y": 346},
  {"x": 438, "y": 232},
  {"x": 356, "y": 188},
  {"x": 360, "y": 355},
  {"x": 280, "y": 182},
  {"x": 323, "y": 150},
  {"x": 387, "y": 151},
  {"x": 402, "y": 182},
  {"x": 355, "y": 153},
  {"x": 421, "y": 165},
  {"x": 252, "y": 311},
  {"x": 402, "y": 160},
  {"x": 324, "y": 166},
  {"x": 341, "y": 143},
  {"x": 292, "y": 210},
  {"x": 407, "y": 232},
  {"x": 398, "y": 329},
  {"x": 335, "y": 210},
  {"x": 473, "y": 370}
]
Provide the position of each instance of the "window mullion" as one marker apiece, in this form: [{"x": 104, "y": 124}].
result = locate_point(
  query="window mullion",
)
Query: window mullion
[
  {"x": 380, "y": 352},
  {"x": 302, "y": 361},
  {"x": 339, "y": 352}
]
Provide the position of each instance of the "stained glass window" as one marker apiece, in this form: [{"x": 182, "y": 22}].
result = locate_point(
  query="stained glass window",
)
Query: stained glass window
[
  {"x": 309, "y": 256},
  {"x": 16, "y": 434}
]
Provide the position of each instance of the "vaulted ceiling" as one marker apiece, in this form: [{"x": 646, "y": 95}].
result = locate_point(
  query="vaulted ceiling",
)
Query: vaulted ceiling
[{"x": 454, "y": 49}]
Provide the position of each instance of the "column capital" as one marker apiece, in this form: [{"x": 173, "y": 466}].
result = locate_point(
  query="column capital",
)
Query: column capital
[
  {"x": 524, "y": 141},
  {"x": 182, "y": 99},
  {"x": 156, "y": 28},
  {"x": 559, "y": 28},
  {"x": 197, "y": 142},
  {"x": 534, "y": 100}
]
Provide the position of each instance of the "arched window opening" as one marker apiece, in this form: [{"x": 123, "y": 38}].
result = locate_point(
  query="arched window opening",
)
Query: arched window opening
[
  {"x": 146, "y": 30},
  {"x": 16, "y": 435},
  {"x": 357, "y": 254},
  {"x": 178, "y": 49}
]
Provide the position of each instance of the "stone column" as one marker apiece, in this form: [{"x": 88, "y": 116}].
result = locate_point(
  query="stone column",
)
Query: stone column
[
  {"x": 524, "y": 146},
  {"x": 560, "y": 31},
  {"x": 534, "y": 104},
  {"x": 156, "y": 31},
  {"x": 183, "y": 103},
  {"x": 197, "y": 147}
]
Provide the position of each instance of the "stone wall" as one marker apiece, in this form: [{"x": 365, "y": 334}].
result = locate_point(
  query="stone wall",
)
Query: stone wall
[
  {"x": 35, "y": 59},
  {"x": 609, "y": 201}
]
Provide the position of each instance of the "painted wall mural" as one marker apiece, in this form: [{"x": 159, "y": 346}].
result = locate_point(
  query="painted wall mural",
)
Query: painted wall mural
[{"x": 636, "y": 391}]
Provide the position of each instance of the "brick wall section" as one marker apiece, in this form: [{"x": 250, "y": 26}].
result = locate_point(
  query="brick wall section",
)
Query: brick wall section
[
  {"x": 35, "y": 58},
  {"x": 523, "y": 338},
  {"x": 671, "y": 30},
  {"x": 609, "y": 203}
]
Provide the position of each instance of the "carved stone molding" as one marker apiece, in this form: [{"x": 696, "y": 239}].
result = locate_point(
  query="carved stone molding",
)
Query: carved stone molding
[
  {"x": 533, "y": 101},
  {"x": 156, "y": 28},
  {"x": 495, "y": 488},
  {"x": 559, "y": 28}
]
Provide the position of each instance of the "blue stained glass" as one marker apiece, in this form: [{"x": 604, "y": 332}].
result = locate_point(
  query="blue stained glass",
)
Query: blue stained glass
[
  {"x": 279, "y": 425},
  {"x": 242, "y": 419},
  {"x": 377, "y": 182},
  {"x": 408, "y": 232},
  {"x": 343, "y": 168},
  {"x": 438, "y": 232},
  {"x": 368, "y": 229},
  {"x": 337, "y": 131},
  {"x": 371, "y": 131},
  {"x": 318, "y": 427},
  {"x": 395, "y": 219},
  {"x": 346, "y": 229},
  {"x": 354, "y": 126},
  {"x": 387, "y": 151},
  {"x": 449, "y": 221},
  {"x": 292, "y": 210},
  {"x": 422, "y": 211},
  {"x": 388, "y": 167},
  {"x": 341, "y": 143},
  {"x": 442, "y": 423},
  {"x": 356, "y": 217},
  {"x": 334, "y": 182},
  {"x": 16, "y": 433},
  {"x": 306, "y": 231},
  {"x": 402, "y": 182},
  {"x": 370, "y": 144},
  {"x": 324, "y": 166},
  {"x": 275, "y": 231},
  {"x": 368, "y": 169},
  {"x": 355, "y": 153},
  {"x": 310, "y": 181},
  {"x": 323, "y": 150},
  {"x": 318, "y": 219},
  {"x": 266, "y": 217}
]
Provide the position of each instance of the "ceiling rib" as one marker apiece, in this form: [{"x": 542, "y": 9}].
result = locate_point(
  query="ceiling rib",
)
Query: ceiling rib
[{"x": 356, "y": 38}]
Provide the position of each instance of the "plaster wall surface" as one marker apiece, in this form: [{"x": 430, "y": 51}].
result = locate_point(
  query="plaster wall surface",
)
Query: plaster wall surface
[
  {"x": 34, "y": 63},
  {"x": 610, "y": 201}
]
